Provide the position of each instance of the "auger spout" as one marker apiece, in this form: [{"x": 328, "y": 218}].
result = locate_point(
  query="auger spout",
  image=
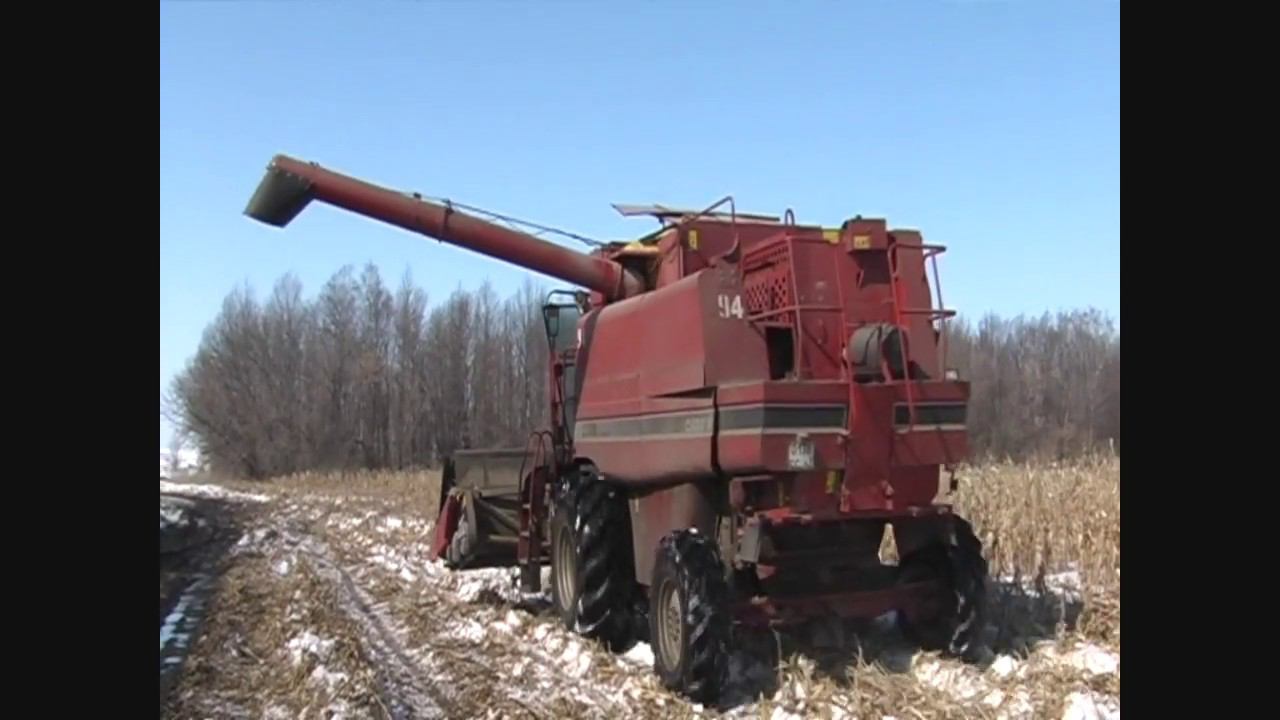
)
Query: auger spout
[{"x": 290, "y": 184}]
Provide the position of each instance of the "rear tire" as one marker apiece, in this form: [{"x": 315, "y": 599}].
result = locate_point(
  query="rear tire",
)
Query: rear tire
[
  {"x": 592, "y": 571},
  {"x": 689, "y": 621},
  {"x": 956, "y": 628}
]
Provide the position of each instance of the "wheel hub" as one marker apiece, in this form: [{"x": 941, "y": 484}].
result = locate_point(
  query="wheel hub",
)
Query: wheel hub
[
  {"x": 672, "y": 635},
  {"x": 566, "y": 559}
]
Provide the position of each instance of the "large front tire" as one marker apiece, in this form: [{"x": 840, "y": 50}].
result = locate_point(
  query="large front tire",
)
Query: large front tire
[
  {"x": 592, "y": 569},
  {"x": 689, "y": 621}
]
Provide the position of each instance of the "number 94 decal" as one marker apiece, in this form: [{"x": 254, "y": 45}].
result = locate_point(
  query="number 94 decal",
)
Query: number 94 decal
[{"x": 730, "y": 306}]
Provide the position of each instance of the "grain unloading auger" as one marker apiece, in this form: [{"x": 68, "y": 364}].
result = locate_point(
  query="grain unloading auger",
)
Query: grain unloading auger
[{"x": 744, "y": 413}]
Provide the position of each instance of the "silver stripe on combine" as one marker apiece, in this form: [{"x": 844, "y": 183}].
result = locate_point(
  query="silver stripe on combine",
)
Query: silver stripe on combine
[{"x": 734, "y": 420}]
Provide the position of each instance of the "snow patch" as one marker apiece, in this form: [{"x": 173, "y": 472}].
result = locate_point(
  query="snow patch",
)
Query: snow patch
[
  {"x": 209, "y": 491},
  {"x": 576, "y": 662},
  {"x": 1090, "y": 706},
  {"x": 1067, "y": 584},
  {"x": 472, "y": 583},
  {"x": 329, "y": 679},
  {"x": 509, "y": 623},
  {"x": 168, "y": 629},
  {"x": 469, "y": 630},
  {"x": 253, "y": 540},
  {"x": 952, "y": 680},
  {"x": 174, "y": 512},
  {"x": 309, "y": 644},
  {"x": 553, "y": 644},
  {"x": 1004, "y": 666},
  {"x": 339, "y": 710},
  {"x": 640, "y": 654},
  {"x": 1021, "y": 706},
  {"x": 1092, "y": 659},
  {"x": 345, "y": 524},
  {"x": 282, "y": 567}
]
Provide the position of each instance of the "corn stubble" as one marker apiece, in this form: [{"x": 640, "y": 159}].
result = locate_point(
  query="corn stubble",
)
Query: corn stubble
[{"x": 1051, "y": 534}]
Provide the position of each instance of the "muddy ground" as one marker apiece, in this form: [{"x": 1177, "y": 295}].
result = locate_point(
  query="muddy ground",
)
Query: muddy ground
[
  {"x": 195, "y": 535},
  {"x": 323, "y": 605}
]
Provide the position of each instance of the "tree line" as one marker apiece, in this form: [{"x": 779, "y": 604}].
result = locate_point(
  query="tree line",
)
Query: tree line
[{"x": 366, "y": 377}]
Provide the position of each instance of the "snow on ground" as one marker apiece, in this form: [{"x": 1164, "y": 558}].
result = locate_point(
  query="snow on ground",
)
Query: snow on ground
[
  {"x": 1090, "y": 706},
  {"x": 1004, "y": 666},
  {"x": 209, "y": 491},
  {"x": 175, "y": 618},
  {"x": 174, "y": 512},
  {"x": 640, "y": 654},
  {"x": 956, "y": 680},
  {"x": 443, "y": 640},
  {"x": 309, "y": 645},
  {"x": 1091, "y": 659}
]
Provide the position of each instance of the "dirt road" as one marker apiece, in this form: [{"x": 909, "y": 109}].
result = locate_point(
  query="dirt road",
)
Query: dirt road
[{"x": 327, "y": 607}]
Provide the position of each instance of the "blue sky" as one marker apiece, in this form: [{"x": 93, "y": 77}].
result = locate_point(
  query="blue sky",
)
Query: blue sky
[{"x": 994, "y": 127}]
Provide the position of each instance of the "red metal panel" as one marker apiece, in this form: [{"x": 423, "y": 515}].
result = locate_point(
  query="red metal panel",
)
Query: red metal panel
[
  {"x": 446, "y": 524},
  {"x": 921, "y": 334},
  {"x": 914, "y": 485},
  {"x": 867, "y": 297},
  {"x": 703, "y": 240},
  {"x": 870, "y": 448},
  {"x": 656, "y": 513},
  {"x": 645, "y": 461},
  {"x": 938, "y": 391},
  {"x": 810, "y": 493},
  {"x": 654, "y": 355},
  {"x": 773, "y": 611},
  {"x": 817, "y": 294},
  {"x": 634, "y": 352},
  {"x": 814, "y": 392},
  {"x": 735, "y": 349},
  {"x": 930, "y": 447}
]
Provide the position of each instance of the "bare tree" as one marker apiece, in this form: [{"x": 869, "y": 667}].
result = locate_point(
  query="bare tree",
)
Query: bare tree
[{"x": 362, "y": 378}]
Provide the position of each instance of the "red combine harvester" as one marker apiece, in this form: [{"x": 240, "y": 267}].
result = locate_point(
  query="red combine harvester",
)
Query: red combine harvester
[{"x": 744, "y": 413}]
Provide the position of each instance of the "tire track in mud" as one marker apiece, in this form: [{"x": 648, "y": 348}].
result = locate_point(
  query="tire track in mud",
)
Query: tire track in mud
[
  {"x": 179, "y": 627},
  {"x": 501, "y": 670},
  {"x": 404, "y": 690},
  {"x": 192, "y": 545},
  {"x": 528, "y": 667},
  {"x": 543, "y": 675}
]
